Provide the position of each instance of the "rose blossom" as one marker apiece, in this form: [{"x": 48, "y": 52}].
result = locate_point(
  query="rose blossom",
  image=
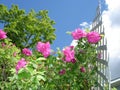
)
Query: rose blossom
[
  {"x": 27, "y": 52},
  {"x": 73, "y": 61},
  {"x": 61, "y": 72},
  {"x": 2, "y": 34},
  {"x": 68, "y": 54},
  {"x": 78, "y": 34},
  {"x": 93, "y": 37},
  {"x": 21, "y": 64},
  {"x": 82, "y": 69},
  {"x": 44, "y": 48}
]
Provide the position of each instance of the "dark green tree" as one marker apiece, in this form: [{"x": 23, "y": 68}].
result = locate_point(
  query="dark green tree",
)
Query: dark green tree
[{"x": 25, "y": 29}]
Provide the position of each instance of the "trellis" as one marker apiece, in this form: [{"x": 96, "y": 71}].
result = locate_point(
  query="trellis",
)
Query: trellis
[{"x": 103, "y": 75}]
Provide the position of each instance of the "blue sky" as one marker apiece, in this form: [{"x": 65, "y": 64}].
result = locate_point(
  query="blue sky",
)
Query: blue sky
[{"x": 68, "y": 14}]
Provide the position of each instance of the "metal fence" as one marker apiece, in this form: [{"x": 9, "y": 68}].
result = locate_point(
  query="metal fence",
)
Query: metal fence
[{"x": 103, "y": 74}]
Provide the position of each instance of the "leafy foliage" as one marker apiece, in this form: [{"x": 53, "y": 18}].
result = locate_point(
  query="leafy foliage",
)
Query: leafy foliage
[
  {"x": 51, "y": 72},
  {"x": 7, "y": 58},
  {"x": 25, "y": 29},
  {"x": 29, "y": 77},
  {"x": 73, "y": 78}
]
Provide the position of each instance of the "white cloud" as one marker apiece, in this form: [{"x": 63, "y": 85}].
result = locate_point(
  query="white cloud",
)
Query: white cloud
[
  {"x": 113, "y": 4},
  {"x": 111, "y": 20},
  {"x": 85, "y": 25}
]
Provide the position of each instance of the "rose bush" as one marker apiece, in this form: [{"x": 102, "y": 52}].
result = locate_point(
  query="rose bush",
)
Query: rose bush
[
  {"x": 77, "y": 65},
  {"x": 7, "y": 56},
  {"x": 73, "y": 68},
  {"x": 19, "y": 69}
]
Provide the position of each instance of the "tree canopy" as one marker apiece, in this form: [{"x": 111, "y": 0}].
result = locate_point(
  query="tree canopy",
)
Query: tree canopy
[{"x": 25, "y": 29}]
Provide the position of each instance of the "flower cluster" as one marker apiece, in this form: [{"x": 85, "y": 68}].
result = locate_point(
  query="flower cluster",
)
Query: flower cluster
[
  {"x": 92, "y": 37},
  {"x": 61, "y": 72},
  {"x": 27, "y": 52},
  {"x": 21, "y": 64},
  {"x": 2, "y": 34},
  {"x": 68, "y": 54},
  {"x": 78, "y": 34},
  {"x": 43, "y": 48}
]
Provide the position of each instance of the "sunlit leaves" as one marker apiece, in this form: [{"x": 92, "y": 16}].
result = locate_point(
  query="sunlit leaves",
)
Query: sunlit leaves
[{"x": 25, "y": 29}]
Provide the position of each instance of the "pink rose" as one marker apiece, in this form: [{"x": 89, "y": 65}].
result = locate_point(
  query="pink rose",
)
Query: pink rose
[
  {"x": 2, "y": 34},
  {"x": 43, "y": 48},
  {"x": 93, "y": 37},
  {"x": 73, "y": 61},
  {"x": 21, "y": 64},
  {"x": 68, "y": 54},
  {"x": 82, "y": 69},
  {"x": 27, "y": 52},
  {"x": 61, "y": 72},
  {"x": 78, "y": 34}
]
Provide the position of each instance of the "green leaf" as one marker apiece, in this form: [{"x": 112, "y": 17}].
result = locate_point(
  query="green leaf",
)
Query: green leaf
[
  {"x": 30, "y": 69},
  {"x": 87, "y": 30},
  {"x": 40, "y": 77},
  {"x": 23, "y": 74},
  {"x": 68, "y": 32},
  {"x": 102, "y": 35},
  {"x": 40, "y": 58},
  {"x": 35, "y": 65}
]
